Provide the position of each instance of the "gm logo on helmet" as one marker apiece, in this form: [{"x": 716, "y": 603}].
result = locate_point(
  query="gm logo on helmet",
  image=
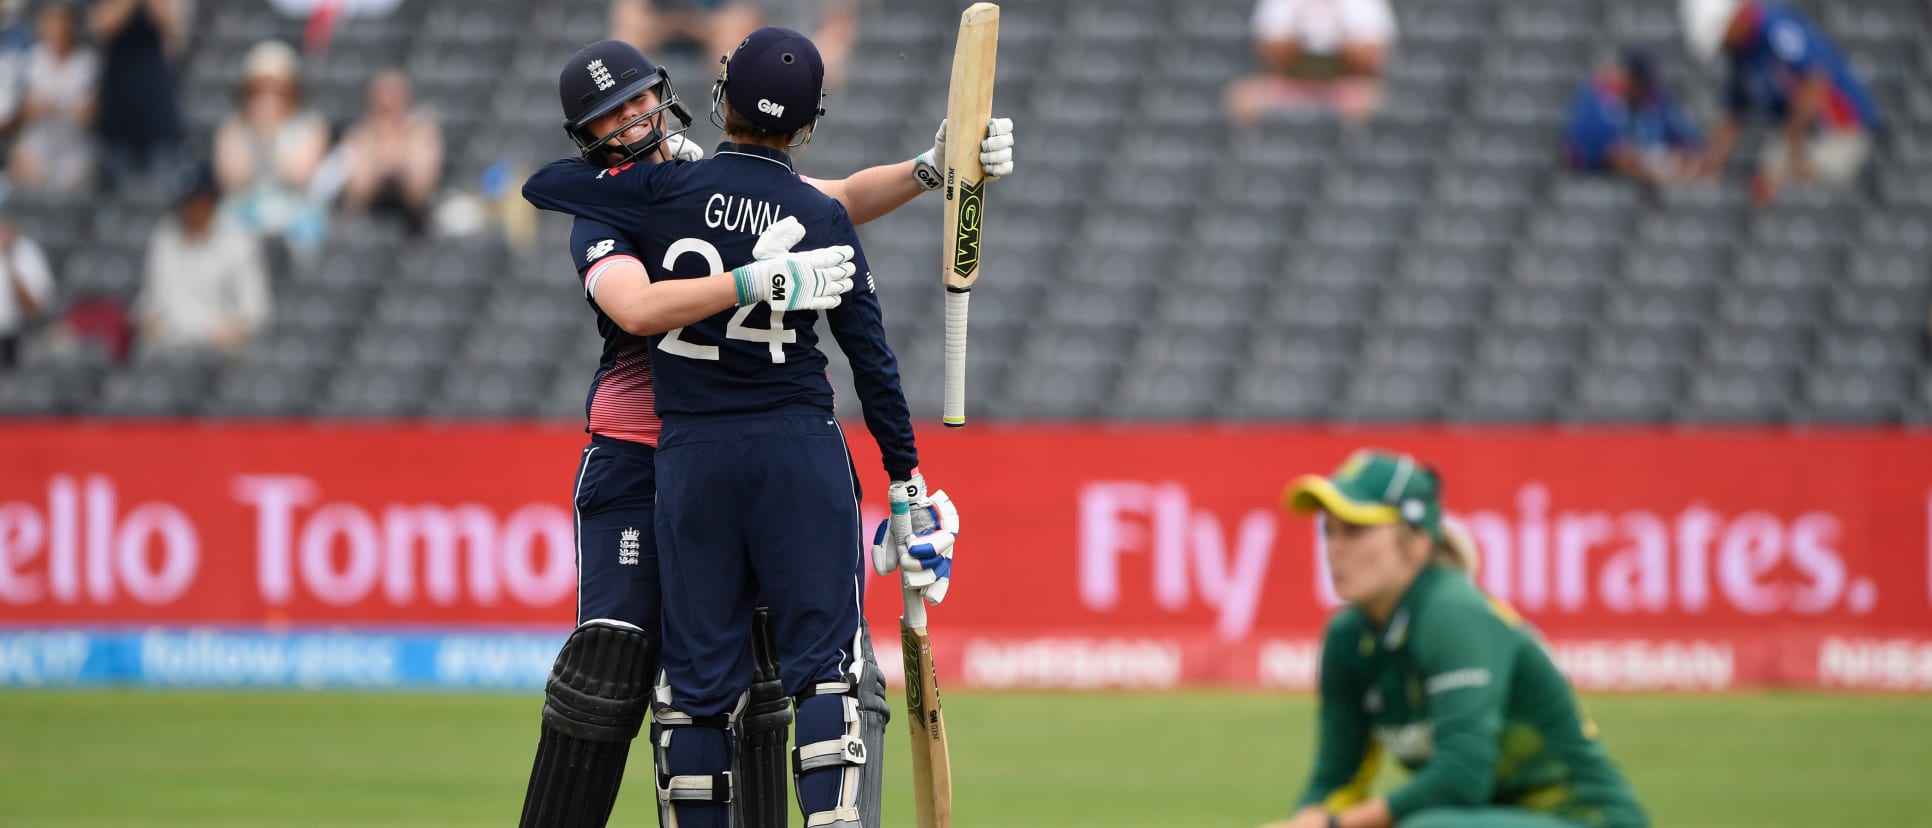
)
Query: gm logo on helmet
[{"x": 775, "y": 110}]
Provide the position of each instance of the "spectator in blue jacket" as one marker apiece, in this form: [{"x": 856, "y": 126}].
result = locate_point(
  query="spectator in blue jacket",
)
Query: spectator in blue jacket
[
  {"x": 1624, "y": 122},
  {"x": 1781, "y": 67}
]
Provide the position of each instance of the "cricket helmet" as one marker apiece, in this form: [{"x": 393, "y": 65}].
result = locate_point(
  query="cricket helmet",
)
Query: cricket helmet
[
  {"x": 775, "y": 80},
  {"x": 601, "y": 77}
]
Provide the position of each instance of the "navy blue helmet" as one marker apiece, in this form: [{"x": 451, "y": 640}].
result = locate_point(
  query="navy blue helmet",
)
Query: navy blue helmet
[
  {"x": 600, "y": 78},
  {"x": 775, "y": 79}
]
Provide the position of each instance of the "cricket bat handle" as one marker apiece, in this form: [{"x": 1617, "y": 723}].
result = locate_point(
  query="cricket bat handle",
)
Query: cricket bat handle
[
  {"x": 915, "y": 609},
  {"x": 954, "y": 412}
]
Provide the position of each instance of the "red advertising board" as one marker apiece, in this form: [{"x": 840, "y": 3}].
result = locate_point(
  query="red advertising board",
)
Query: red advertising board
[{"x": 1096, "y": 555}]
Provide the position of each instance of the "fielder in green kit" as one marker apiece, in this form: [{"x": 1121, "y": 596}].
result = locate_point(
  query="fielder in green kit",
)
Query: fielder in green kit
[{"x": 1421, "y": 664}]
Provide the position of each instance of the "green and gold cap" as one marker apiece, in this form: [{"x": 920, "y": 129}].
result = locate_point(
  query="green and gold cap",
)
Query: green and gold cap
[{"x": 1373, "y": 487}]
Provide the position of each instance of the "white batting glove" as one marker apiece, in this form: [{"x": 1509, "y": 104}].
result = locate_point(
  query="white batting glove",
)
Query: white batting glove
[
  {"x": 926, "y": 563},
  {"x": 806, "y": 280},
  {"x": 896, "y": 530},
  {"x": 995, "y": 154},
  {"x": 918, "y": 539},
  {"x": 683, "y": 150}
]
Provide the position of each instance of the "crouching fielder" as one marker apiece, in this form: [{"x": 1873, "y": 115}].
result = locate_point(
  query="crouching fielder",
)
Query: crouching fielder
[{"x": 1423, "y": 665}]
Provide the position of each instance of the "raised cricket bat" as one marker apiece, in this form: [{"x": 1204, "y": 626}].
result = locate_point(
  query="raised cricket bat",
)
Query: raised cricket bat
[
  {"x": 969, "y": 103},
  {"x": 932, "y": 768}
]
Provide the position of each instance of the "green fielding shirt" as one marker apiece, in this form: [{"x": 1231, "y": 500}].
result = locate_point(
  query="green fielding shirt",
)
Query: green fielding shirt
[{"x": 1461, "y": 692}]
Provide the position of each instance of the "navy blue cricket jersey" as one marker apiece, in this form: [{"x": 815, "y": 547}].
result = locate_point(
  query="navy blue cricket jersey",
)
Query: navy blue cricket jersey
[
  {"x": 620, "y": 403},
  {"x": 687, "y": 220}
]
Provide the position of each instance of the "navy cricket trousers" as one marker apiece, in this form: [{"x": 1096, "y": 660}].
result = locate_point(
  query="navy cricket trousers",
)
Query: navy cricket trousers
[
  {"x": 615, "y": 500},
  {"x": 757, "y": 509}
]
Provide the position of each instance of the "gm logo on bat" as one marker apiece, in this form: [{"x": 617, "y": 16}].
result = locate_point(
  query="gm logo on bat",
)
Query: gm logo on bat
[{"x": 966, "y": 246}]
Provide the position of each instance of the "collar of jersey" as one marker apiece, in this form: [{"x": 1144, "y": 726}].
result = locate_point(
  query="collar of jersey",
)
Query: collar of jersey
[
  {"x": 1397, "y": 633},
  {"x": 775, "y": 156}
]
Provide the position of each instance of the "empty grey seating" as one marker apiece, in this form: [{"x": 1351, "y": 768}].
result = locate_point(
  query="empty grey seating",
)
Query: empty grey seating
[
  {"x": 1623, "y": 395},
  {"x": 265, "y": 390},
  {"x": 1149, "y": 261},
  {"x": 1659, "y": 307},
  {"x": 1860, "y": 395},
  {"x": 1302, "y": 347},
  {"x": 1394, "y": 395},
  {"x": 1756, "y": 348},
  {"x": 1641, "y": 347},
  {"x": 1547, "y": 307},
  {"x": 376, "y": 391},
  {"x": 158, "y": 385},
  {"x": 1491, "y": 393},
  {"x": 1284, "y": 393},
  {"x": 1735, "y": 394}
]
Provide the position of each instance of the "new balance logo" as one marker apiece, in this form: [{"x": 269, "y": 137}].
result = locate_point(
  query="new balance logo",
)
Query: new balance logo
[
  {"x": 772, "y": 109},
  {"x": 600, "y": 75},
  {"x": 599, "y": 250}
]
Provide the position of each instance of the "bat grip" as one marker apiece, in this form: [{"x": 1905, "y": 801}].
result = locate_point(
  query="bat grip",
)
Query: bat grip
[
  {"x": 915, "y": 612},
  {"x": 954, "y": 412}
]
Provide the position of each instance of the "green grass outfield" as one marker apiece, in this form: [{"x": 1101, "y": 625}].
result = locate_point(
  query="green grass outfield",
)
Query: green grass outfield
[{"x": 101, "y": 758}]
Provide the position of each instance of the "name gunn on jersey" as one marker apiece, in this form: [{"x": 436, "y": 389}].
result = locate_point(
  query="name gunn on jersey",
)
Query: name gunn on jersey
[{"x": 739, "y": 213}]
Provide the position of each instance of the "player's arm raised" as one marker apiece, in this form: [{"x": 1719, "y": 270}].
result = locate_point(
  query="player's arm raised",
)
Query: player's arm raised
[
  {"x": 616, "y": 279},
  {"x": 875, "y": 191},
  {"x": 918, "y": 537}
]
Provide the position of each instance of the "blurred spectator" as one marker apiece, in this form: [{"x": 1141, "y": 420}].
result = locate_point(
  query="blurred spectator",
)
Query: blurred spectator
[
  {"x": 711, "y": 26},
  {"x": 1623, "y": 122},
  {"x": 1316, "y": 53},
  {"x": 716, "y": 26},
  {"x": 1782, "y": 68},
  {"x": 54, "y": 151},
  {"x": 140, "y": 124},
  {"x": 394, "y": 155},
  {"x": 16, "y": 43},
  {"x": 26, "y": 286},
  {"x": 205, "y": 285},
  {"x": 266, "y": 154}
]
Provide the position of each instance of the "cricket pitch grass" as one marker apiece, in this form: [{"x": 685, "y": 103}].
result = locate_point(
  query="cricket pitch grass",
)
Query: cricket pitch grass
[{"x": 94, "y": 759}]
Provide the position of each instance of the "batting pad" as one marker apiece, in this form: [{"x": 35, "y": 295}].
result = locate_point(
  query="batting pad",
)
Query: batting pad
[{"x": 594, "y": 704}]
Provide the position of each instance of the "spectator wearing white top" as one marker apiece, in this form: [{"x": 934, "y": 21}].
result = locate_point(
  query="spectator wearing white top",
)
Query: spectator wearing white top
[
  {"x": 205, "y": 285},
  {"x": 55, "y": 151},
  {"x": 26, "y": 287},
  {"x": 1316, "y": 53},
  {"x": 268, "y": 152}
]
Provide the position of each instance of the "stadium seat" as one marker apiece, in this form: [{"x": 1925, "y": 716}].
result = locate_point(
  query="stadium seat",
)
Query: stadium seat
[
  {"x": 1283, "y": 393},
  {"x": 1623, "y": 395},
  {"x": 1737, "y": 395},
  {"x": 1150, "y": 261}
]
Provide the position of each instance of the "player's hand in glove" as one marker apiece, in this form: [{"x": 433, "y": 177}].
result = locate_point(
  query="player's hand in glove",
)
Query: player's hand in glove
[
  {"x": 995, "y": 154},
  {"x": 806, "y": 280},
  {"x": 918, "y": 539},
  {"x": 683, "y": 150}
]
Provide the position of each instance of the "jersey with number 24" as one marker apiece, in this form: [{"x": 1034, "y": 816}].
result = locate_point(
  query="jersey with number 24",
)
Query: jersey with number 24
[{"x": 686, "y": 220}]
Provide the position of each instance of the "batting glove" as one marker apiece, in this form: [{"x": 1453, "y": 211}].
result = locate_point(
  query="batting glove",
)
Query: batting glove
[
  {"x": 918, "y": 539},
  {"x": 995, "y": 154},
  {"x": 807, "y": 280},
  {"x": 684, "y": 150},
  {"x": 896, "y": 530}
]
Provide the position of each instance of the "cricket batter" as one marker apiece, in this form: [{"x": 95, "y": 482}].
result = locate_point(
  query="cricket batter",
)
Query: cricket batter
[
  {"x": 1423, "y": 665},
  {"x": 669, "y": 309}
]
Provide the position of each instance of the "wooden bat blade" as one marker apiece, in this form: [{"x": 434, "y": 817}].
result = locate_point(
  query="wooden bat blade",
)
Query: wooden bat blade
[
  {"x": 969, "y": 103},
  {"x": 932, "y": 769}
]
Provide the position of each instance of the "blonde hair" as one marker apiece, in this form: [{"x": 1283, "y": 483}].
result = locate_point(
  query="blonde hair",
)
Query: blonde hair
[{"x": 1455, "y": 548}]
